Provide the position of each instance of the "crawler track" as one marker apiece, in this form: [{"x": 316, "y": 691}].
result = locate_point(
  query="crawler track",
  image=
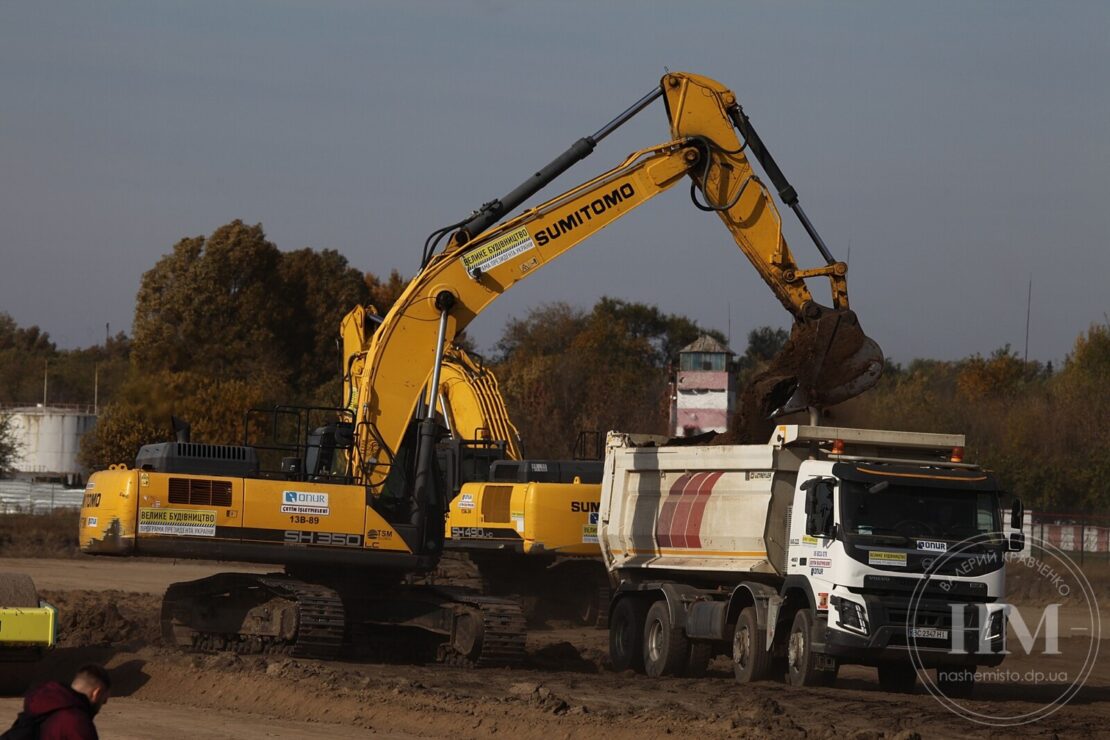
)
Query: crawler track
[{"x": 199, "y": 616}]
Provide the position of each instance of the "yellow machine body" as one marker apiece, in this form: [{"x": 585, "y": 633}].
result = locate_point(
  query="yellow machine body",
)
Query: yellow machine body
[
  {"x": 28, "y": 626},
  {"x": 135, "y": 512},
  {"x": 529, "y": 518}
]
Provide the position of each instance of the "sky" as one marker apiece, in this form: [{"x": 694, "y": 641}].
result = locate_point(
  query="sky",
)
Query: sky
[{"x": 955, "y": 150}]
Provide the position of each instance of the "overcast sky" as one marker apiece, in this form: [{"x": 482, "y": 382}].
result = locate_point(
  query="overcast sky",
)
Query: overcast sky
[{"x": 957, "y": 149}]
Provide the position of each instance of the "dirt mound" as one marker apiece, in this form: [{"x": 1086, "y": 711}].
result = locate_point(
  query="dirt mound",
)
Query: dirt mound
[
  {"x": 102, "y": 618},
  {"x": 51, "y": 535},
  {"x": 828, "y": 359},
  {"x": 563, "y": 656},
  {"x": 1028, "y": 585}
]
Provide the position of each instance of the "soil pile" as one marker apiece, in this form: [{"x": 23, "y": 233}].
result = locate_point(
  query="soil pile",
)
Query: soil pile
[
  {"x": 51, "y": 535},
  {"x": 102, "y": 618}
]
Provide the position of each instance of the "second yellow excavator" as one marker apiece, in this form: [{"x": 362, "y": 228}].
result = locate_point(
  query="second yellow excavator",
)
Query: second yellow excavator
[{"x": 356, "y": 507}]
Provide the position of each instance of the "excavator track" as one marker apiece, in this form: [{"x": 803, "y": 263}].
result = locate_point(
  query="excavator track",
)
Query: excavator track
[
  {"x": 501, "y": 639},
  {"x": 287, "y": 615},
  {"x": 321, "y": 619}
]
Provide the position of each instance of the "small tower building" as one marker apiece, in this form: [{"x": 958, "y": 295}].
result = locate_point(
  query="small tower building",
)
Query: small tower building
[{"x": 705, "y": 388}]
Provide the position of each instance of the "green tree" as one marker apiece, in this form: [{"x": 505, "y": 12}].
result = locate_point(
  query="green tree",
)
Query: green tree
[{"x": 9, "y": 445}]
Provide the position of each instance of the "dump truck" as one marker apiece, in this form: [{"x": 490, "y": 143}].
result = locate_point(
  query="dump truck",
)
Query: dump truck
[{"x": 826, "y": 546}]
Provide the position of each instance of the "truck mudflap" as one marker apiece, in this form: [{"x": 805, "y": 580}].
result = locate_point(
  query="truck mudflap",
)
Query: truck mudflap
[{"x": 888, "y": 635}]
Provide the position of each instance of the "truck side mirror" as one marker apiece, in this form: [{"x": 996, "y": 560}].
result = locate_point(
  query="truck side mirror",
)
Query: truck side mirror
[
  {"x": 819, "y": 507},
  {"x": 1017, "y": 515},
  {"x": 1017, "y": 542}
]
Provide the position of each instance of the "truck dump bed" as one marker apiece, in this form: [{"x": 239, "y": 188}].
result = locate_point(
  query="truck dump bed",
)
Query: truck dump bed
[{"x": 726, "y": 508}]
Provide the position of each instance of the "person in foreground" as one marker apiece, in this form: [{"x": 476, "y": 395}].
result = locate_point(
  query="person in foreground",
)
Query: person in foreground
[{"x": 56, "y": 712}]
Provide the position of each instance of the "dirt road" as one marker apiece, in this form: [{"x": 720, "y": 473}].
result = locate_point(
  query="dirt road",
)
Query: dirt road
[{"x": 108, "y": 612}]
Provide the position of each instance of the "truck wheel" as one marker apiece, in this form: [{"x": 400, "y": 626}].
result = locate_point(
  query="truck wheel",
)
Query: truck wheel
[
  {"x": 586, "y": 590},
  {"x": 666, "y": 648},
  {"x": 697, "y": 663},
  {"x": 626, "y": 635},
  {"x": 750, "y": 661},
  {"x": 897, "y": 677},
  {"x": 956, "y": 682},
  {"x": 801, "y": 661}
]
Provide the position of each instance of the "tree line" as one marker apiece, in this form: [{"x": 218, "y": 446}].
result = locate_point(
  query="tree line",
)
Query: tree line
[{"x": 228, "y": 321}]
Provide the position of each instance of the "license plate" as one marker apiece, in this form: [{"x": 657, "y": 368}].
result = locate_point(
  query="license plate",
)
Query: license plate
[{"x": 929, "y": 633}]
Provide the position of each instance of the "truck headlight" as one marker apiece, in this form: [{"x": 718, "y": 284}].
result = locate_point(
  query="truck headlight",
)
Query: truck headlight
[
  {"x": 996, "y": 628},
  {"x": 851, "y": 615}
]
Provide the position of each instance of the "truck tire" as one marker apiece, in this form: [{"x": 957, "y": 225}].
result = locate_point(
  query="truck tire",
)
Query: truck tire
[
  {"x": 666, "y": 648},
  {"x": 626, "y": 635},
  {"x": 956, "y": 683},
  {"x": 750, "y": 660},
  {"x": 801, "y": 661},
  {"x": 899, "y": 678}
]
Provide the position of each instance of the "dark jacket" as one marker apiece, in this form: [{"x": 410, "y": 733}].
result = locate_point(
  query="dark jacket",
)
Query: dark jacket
[{"x": 71, "y": 715}]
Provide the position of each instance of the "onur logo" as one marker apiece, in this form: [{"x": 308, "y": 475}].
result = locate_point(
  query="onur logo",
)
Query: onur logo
[
  {"x": 301, "y": 502},
  {"x": 1042, "y": 648},
  {"x": 297, "y": 497}
]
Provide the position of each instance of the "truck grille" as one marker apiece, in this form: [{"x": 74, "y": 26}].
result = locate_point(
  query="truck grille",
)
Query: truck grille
[{"x": 938, "y": 616}]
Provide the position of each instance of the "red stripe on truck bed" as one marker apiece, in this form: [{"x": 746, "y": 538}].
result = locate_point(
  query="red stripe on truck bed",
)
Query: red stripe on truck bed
[
  {"x": 697, "y": 509},
  {"x": 670, "y": 503}
]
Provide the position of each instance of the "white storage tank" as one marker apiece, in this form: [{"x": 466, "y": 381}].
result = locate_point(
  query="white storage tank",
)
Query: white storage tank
[{"x": 49, "y": 438}]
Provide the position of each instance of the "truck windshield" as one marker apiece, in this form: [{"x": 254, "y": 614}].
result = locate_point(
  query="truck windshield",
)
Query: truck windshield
[{"x": 912, "y": 511}]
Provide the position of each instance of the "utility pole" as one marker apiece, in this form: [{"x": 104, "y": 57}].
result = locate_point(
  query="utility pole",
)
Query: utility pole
[
  {"x": 45, "y": 374},
  {"x": 1028, "y": 307}
]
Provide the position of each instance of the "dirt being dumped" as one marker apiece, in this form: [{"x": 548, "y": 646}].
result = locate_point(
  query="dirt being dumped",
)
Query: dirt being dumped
[{"x": 826, "y": 360}]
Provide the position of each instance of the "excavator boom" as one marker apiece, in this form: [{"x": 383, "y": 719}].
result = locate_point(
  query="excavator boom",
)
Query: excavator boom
[{"x": 827, "y": 360}]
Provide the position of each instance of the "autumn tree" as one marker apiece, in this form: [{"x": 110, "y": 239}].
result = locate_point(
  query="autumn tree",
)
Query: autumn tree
[
  {"x": 319, "y": 288},
  {"x": 225, "y": 323},
  {"x": 74, "y": 376},
  {"x": 564, "y": 370},
  {"x": 384, "y": 293},
  {"x": 764, "y": 343}
]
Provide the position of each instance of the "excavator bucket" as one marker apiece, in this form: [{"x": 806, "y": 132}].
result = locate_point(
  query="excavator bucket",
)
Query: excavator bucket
[{"x": 827, "y": 360}]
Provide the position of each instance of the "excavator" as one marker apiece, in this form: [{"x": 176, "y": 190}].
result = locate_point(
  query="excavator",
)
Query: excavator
[
  {"x": 353, "y": 509},
  {"x": 522, "y": 522}
]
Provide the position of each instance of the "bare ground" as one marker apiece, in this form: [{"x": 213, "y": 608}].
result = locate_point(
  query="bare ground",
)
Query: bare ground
[{"x": 108, "y": 612}]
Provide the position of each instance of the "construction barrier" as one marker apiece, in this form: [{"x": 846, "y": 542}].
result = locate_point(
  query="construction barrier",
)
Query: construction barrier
[{"x": 28, "y": 497}]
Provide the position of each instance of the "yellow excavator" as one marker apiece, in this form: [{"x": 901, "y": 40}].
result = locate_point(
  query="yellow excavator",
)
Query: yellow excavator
[
  {"x": 528, "y": 525},
  {"x": 354, "y": 508}
]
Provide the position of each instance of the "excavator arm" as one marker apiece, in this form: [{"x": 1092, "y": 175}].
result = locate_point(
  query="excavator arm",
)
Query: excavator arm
[
  {"x": 483, "y": 259},
  {"x": 469, "y": 397}
]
